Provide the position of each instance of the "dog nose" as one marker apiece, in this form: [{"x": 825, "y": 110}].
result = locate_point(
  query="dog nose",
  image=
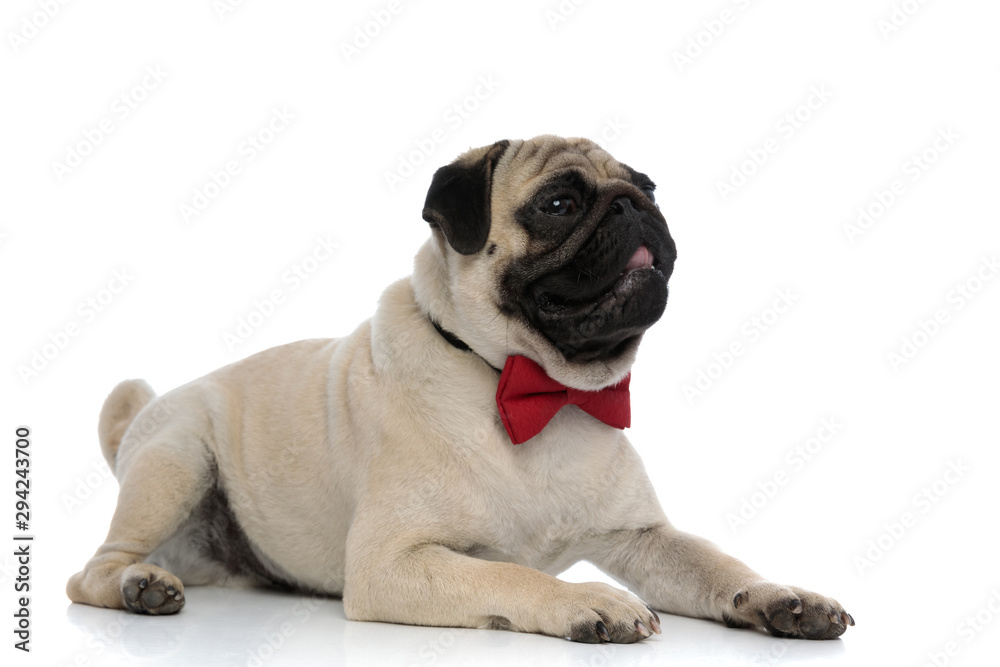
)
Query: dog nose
[{"x": 621, "y": 204}]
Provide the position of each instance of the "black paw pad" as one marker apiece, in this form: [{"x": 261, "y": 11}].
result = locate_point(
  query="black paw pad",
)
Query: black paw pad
[{"x": 158, "y": 597}]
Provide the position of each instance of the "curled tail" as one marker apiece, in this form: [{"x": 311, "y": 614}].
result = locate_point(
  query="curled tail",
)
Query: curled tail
[{"x": 120, "y": 408}]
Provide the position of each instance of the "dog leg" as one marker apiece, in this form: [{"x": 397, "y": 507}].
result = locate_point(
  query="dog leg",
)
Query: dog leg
[
  {"x": 431, "y": 584},
  {"x": 687, "y": 575},
  {"x": 159, "y": 489}
]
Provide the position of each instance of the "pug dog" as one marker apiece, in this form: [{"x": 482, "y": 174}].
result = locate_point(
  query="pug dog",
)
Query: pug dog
[{"x": 442, "y": 463}]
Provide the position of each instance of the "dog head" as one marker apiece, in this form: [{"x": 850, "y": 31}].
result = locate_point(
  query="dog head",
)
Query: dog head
[{"x": 549, "y": 248}]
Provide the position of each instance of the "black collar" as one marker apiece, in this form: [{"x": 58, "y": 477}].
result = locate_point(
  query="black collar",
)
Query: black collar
[
  {"x": 452, "y": 338},
  {"x": 458, "y": 343}
]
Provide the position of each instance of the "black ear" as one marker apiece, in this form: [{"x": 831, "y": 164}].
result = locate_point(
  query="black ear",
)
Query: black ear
[{"x": 458, "y": 201}]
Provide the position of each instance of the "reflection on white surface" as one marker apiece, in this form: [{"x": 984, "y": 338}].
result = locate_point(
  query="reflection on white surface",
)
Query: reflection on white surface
[{"x": 254, "y": 628}]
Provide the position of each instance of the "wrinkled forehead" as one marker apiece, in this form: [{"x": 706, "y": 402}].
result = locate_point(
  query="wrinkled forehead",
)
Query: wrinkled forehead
[{"x": 524, "y": 163}]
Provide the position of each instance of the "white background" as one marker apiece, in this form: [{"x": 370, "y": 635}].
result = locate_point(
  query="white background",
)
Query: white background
[{"x": 610, "y": 71}]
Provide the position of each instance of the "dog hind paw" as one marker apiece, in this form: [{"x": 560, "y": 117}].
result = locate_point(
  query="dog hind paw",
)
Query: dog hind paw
[{"x": 147, "y": 589}]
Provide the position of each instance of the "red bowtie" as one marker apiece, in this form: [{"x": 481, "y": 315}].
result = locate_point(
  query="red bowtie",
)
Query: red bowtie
[{"x": 528, "y": 399}]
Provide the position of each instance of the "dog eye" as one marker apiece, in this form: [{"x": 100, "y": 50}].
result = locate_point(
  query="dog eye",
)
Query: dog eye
[
  {"x": 648, "y": 191},
  {"x": 561, "y": 205}
]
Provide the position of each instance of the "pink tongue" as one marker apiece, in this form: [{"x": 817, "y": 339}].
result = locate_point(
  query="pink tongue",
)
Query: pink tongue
[{"x": 642, "y": 259}]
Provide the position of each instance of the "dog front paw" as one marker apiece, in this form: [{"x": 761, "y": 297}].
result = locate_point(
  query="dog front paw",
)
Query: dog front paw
[
  {"x": 602, "y": 613},
  {"x": 787, "y": 611}
]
